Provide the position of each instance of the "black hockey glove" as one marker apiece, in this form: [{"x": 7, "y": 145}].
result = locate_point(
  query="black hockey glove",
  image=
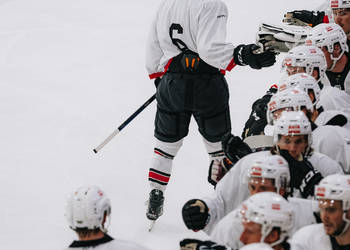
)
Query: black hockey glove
[
  {"x": 249, "y": 55},
  {"x": 193, "y": 244},
  {"x": 234, "y": 148},
  {"x": 195, "y": 214},
  {"x": 303, "y": 176},
  {"x": 305, "y": 16},
  {"x": 217, "y": 170},
  {"x": 157, "y": 81}
]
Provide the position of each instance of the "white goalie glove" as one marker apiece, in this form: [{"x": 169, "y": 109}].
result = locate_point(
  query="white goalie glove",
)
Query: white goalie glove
[{"x": 281, "y": 38}]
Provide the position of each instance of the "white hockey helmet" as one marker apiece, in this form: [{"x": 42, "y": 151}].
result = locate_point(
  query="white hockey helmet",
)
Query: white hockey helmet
[
  {"x": 269, "y": 210},
  {"x": 336, "y": 187},
  {"x": 87, "y": 207},
  {"x": 273, "y": 167},
  {"x": 256, "y": 246},
  {"x": 310, "y": 57},
  {"x": 302, "y": 81},
  {"x": 292, "y": 123},
  {"x": 293, "y": 99},
  {"x": 327, "y": 35},
  {"x": 339, "y": 4}
]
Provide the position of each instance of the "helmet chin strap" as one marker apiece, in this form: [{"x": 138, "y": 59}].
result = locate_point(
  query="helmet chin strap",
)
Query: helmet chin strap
[
  {"x": 335, "y": 60},
  {"x": 347, "y": 223}
]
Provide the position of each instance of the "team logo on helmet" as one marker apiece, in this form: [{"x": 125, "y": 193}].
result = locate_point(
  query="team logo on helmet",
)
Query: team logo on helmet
[
  {"x": 276, "y": 206},
  {"x": 329, "y": 28},
  {"x": 293, "y": 129},
  {"x": 334, "y": 4},
  {"x": 320, "y": 191},
  {"x": 308, "y": 42},
  {"x": 256, "y": 171}
]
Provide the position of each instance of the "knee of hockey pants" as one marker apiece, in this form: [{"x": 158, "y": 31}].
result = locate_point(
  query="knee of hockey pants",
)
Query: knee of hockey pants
[{"x": 162, "y": 162}]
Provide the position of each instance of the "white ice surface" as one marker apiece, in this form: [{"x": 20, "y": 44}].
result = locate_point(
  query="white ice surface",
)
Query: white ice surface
[{"x": 71, "y": 71}]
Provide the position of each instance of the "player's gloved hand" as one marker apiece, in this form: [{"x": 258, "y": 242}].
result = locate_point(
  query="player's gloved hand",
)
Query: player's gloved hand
[
  {"x": 303, "y": 176},
  {"x": 252, "y": 55},
  {"x": 193, "y": 244},
  {"x": 304, "y": 17},
  {"x": 234, "y": 148},
  {"x": 195, "y": 214},
  {"x": 157, "y": 81},
  {"x": 217, "y": 169}
]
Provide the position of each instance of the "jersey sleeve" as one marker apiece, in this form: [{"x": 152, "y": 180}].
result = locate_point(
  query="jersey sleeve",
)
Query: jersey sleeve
[
  {"x": 153, "y": 52},
  {"x": 229, "y": 193},
  {"x": 211, "y": 37}
]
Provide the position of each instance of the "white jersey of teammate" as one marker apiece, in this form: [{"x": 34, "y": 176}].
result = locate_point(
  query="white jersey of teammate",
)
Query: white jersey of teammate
[
  {"x": 311, "y": 237},
  {"x": 332, "y": 98},
  {"x": 326, "y": 116},
  {"x": 115, "y": 244},
  {"x": 228, "y": 230},
  {"x": 333, "y": 141},
  {"x": 200, "y": 25},
  {"x": 230, "y": 191}
]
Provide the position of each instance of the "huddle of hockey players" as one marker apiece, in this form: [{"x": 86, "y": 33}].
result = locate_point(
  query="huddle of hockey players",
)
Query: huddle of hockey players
[{"x": 286, "y": 183}]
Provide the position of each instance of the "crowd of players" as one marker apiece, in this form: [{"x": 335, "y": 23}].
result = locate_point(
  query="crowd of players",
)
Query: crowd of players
[{"x": 286, "y": 185}]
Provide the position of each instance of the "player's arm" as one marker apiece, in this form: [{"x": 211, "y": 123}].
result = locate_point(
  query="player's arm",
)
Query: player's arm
[
  {"x": 212, "y": 45},
  {"x": 153, "y": 52}
]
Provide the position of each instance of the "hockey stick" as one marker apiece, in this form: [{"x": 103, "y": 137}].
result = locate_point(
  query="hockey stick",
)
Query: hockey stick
[{"x": 126, "y": 122}]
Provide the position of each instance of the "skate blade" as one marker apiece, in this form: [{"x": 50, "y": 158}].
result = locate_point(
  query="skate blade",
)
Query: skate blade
[{"x": 151, "y": 225}]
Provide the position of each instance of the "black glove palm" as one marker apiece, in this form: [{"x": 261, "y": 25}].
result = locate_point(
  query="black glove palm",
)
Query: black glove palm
[
  {"x": 195, "y": 214},
  {"x": 248, "y": 55},
  {"x": 234, "y": 148},
  {"x": 303, "y": 176}
]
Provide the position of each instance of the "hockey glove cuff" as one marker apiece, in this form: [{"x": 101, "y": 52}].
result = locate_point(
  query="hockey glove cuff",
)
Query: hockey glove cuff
[
  {"x": 251, "y": 55},
  {"x": 217, "y": 169},
  {"x": 195, "y": 214}
]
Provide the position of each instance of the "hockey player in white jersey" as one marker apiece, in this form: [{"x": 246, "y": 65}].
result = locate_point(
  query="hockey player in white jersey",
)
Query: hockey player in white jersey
[
  {"x": 306, "y": 59},
  {"x": 307, "y": 168},
  {"x": 301, "y": 59},
  {"x": 333, "y": 195},
  {"x": 266, "y": 217},
  {"x": 331, "y": 138},
  {"x": 88, "y": 212},
  {"x": 187, "y": 54},
  {"x": 333, "y": 41},
  {"x": 270, "y": 173}
]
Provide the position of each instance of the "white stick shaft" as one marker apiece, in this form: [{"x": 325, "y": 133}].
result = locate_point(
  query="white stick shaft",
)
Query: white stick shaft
[{"x": 108, "y": 139}]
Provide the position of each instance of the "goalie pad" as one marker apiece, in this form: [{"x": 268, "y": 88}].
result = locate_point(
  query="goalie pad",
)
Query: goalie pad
[{"x": 281, "y": 38}]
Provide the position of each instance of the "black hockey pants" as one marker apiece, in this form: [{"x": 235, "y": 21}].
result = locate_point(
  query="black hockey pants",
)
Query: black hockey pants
[{"x": 181, "y": 95}]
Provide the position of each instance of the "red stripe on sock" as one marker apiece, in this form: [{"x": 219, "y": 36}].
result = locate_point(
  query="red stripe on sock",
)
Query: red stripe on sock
[{"x": 158, "y": 177}]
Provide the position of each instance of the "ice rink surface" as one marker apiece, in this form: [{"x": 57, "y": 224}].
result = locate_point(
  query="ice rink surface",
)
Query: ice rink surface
[{"x": 70, "y": 73}]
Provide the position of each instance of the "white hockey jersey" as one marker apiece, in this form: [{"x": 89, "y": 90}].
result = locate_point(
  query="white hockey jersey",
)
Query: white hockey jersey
[
  {"x": 231, "y": 191},
  {"x": 228, "y": 230},
  {"x": 326, "y": 116},
  {"x": 311, "y": 237},
  {"x": 332, "y": 98},
  {"x": 333, "y": 141},
  {"x": 198, "y": 25}
]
